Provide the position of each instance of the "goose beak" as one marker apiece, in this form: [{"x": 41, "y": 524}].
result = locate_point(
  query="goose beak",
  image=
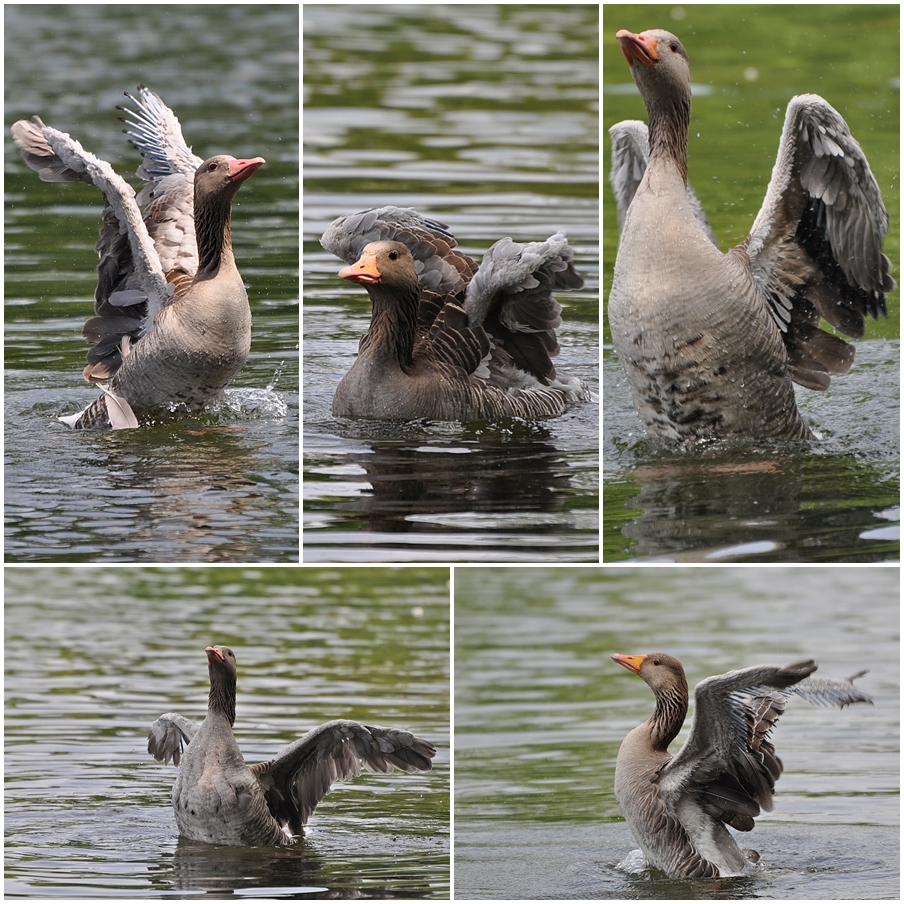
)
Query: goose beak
[
  {"x": 364, "y": 270},
  {"x": 637, "y": 47},
  {"x": 240, "y": 170},
  {"x": 631, "y": 663}
]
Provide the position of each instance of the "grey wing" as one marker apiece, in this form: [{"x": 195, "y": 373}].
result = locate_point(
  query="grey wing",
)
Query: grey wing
[
  {"x": 815, "y": 249},
  {"x": 441, "y": 270},
  {"x": 131, "y": 287},
  {"x": 835, "y": 692},
  {"x": 169, "y": 169},
  {"x": 728, "y": 764},
  {"x": 300, "y": 776},
  {"x": 511, "y": 297},
  {"x": 169, "y": 736},
  {"x": 458, "y": 349},
  {"x": 630, "y": 155}
]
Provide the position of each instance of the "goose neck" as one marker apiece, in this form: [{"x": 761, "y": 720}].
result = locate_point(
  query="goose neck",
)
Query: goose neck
[
  {"x": 393, "y": 324},
  {"x": 221, "y": 701},
  {"x": 669, "y": 126},
  {"x": 666, "y": 722},
  {"x": 213, "y": 233}
]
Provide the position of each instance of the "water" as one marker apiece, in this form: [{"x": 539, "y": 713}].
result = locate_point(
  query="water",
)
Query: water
[
  {"x": 489, "y": 122},
  {"x": 88, "y": 812},
  {"x": 540, "y": 712},
  {"x": 219, "y": 487},
  {"x": 832, "y": 500},
  {"x": 837, "y": 499}
]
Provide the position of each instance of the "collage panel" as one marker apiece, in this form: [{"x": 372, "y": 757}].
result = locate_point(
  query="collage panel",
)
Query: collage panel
[
  {"x": 191, "y": 333},
  {"x": 561, "y": 770},
  {"x": 108, "y": 669},
  {"x": 751, "y": 408},
  {"x": 451, "y": 393}
]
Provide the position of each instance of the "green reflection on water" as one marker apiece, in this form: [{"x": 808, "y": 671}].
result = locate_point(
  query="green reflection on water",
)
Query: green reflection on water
[{"x": 442, "y": 79}]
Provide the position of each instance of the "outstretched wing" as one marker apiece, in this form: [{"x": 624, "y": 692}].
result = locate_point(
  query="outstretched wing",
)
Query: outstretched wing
[
  {"x": 815, "y": 249},
  {"x": 169, "y": 169},
  {"x": 728, "y": 764},
  {"x": 131, "y": 287},
  {"x": 300, "y": 776},
  {"x": 832, "y": 692},
  {"x": 511, "y": 296}
]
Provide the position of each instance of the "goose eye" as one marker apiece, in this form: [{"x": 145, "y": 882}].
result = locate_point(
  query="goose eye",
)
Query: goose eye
[
  {"x": 211, "y": 167},
  {"x": 393, "y": 255},
  {"x": 655, "y": 662},
  {"x": 673, "y": 47}
]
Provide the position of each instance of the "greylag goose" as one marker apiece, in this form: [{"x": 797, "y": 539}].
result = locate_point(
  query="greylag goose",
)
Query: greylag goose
[
  {"x": 220, "y": 799},
  {"x": 449, "y": 340},
  {"x": 711, "y": 342},
  {"x": 173, "y": 324},
  {"x": 679, "y": 807}
]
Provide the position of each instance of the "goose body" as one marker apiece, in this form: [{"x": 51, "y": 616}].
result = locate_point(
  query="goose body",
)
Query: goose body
[
  {"x": 173, "y": 324},
  {"x": 712, "y": 343},
  {"x": 219, "y": 799},
  {"x": 448, "y": 340},
  {"x": 680, "y": 807}
]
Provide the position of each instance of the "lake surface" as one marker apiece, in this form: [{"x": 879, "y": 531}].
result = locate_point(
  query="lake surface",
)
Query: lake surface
[
  {"x": 836, "y": 499},
  {"x": 488, "y": 122},
  {"x": 218, "y": 487},
  {"x": 88, "y": 812},
  {"x": 540, "y": 712}
]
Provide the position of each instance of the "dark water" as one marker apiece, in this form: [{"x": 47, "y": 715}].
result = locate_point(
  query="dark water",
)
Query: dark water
[
  {"x": 540, "y": 712},
  {"x": 832, "y": 500},
  {"x": 88, "y": 812},
  {"x": 489, "y": 122},
  {"x": 221, "y": 487}
]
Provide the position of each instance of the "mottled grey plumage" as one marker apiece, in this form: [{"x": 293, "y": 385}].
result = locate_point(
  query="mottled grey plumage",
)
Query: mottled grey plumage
[
  {"x": 448, "y": 340},
  {"x": 711, "y": 342},
  {"x": 172, "y": 324},
  {"x": 679, "y": 807},
  {"x": 219, "y": 799}
]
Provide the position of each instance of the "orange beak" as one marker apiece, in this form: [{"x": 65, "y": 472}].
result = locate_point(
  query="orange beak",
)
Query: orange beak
[
  {"x": 631, "y": 663},
  {"x": 637, "y": 47},
  {"x": 364, "y": 270}
]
